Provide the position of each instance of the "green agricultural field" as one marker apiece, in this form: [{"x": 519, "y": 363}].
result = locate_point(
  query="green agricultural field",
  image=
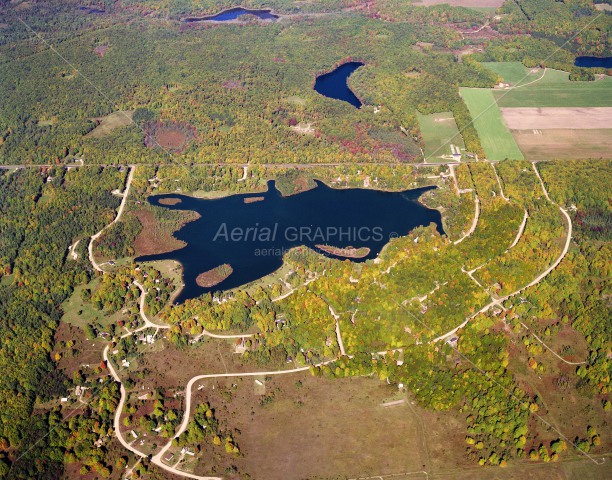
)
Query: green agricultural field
[
  {"x": 439, "y": 131},
  {"x": 514, "y": 73},
  {"x": 495, "y": 137},
  {"x": 556, "y": 90}
]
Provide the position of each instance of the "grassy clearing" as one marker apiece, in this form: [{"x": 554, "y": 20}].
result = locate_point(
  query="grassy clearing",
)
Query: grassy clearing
[
  {"x": 80, "y": 313},
  {"x": 439, "y": 131},
  {"x": 111, "y": 122},
  {"x": 514, "y": 73},
  {"x": 496, "y": 139},
  {"x": 556, "y": 90},
  {"x": 336, "y": 419}
]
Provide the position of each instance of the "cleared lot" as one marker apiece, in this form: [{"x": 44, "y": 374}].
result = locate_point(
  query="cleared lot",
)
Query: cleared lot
[
  {"x": 565, "y": 143},
  {"x": 557, "y": 117}
]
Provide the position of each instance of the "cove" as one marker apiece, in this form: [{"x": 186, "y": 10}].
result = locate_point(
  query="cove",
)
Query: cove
[
  {"x": 334, "y": 84},
  {"x": 250, "y": 232},
  {"x": 233, "y": 14},
  {"x": 593, "y": 62}
]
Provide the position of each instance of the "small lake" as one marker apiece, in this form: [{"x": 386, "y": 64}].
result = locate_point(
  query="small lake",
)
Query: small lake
[
  {"x": 593, "y": 62},
  {"x": 251, "y": 232},
  {"x": 335, "y": 84},
  {"x": 233, "y": 14}
]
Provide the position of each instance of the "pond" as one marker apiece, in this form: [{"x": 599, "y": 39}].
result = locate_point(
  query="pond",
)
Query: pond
[
  {"x": 593, "y": 62},
  {"x": 251, "y": 232},
  {"x": 233, "y": 14},
  {"x": 334, "y": 84}
]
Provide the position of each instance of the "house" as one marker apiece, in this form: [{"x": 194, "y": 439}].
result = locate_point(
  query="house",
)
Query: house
[
  {"x": 64, "y": 399},
  {"x": 125, "y": 363},
  {"x": 453, "y": 341},
  {"x": 186, "y": 451},
  {"x": 134, "y": 434},
  {"x": 240, "y": 346},
  {"x": 169, "y": 457}
]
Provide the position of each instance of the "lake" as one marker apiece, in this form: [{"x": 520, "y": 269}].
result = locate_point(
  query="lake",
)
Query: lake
[
  {"x": 250, "y": 232},
  {"x": 334, "y": 84},
  {"x": 233, "y": 14},
  {"x": 593, "y": 62}
]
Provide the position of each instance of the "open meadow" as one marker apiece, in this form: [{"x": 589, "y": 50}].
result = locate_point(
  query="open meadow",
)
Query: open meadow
[
  {"x": 514, "y": 73},
  {"x": 439, "y": 132},
  {"x": 556, "y": 90}
]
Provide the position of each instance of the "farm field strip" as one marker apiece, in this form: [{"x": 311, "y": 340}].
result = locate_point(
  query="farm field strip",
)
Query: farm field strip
[
  {"x": 556, "y": 90},
  {"x": 565, "y": 143},
  {"x": 497, "y": 141},
  {"x": 557, "y": 117}
]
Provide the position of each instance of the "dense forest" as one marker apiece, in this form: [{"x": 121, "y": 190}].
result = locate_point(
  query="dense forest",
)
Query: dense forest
[
  {"x": 240, "y": 108},
  {"x": 55, "y": 208}
]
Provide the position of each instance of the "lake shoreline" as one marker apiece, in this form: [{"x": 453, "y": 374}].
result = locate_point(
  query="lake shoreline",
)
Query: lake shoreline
[{"x": 264, "y": 15}]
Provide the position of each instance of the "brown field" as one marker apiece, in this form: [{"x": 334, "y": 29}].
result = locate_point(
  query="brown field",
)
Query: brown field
[
  {"x": 557, "y": 117},
  {"x": 565, "y": 143},
  {"x": 110, "y": 122},
  {"x": 89, "y": 352},
  {"x": 463, "y": 3},
  {"x": 101, "y": 50},
  {"x": 169, "y": 137},
  {"x": 153, "y": 239},
  {"x": 318, "y": 428}
]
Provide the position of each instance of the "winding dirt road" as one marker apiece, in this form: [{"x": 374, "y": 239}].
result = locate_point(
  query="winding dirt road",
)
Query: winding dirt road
[
  {"x": 535, "y": 281},
  {"x": 126, "y": 193},
  {"x": 474, "y": 222}
]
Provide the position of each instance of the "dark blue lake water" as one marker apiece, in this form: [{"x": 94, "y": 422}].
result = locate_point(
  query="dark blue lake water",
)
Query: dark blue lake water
[
  {"x": 593, "y": 62},
  {"x": 233, "y": 14},
  {"x": 334, "y": 84},
  {"x": 252, "y": 237}
]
